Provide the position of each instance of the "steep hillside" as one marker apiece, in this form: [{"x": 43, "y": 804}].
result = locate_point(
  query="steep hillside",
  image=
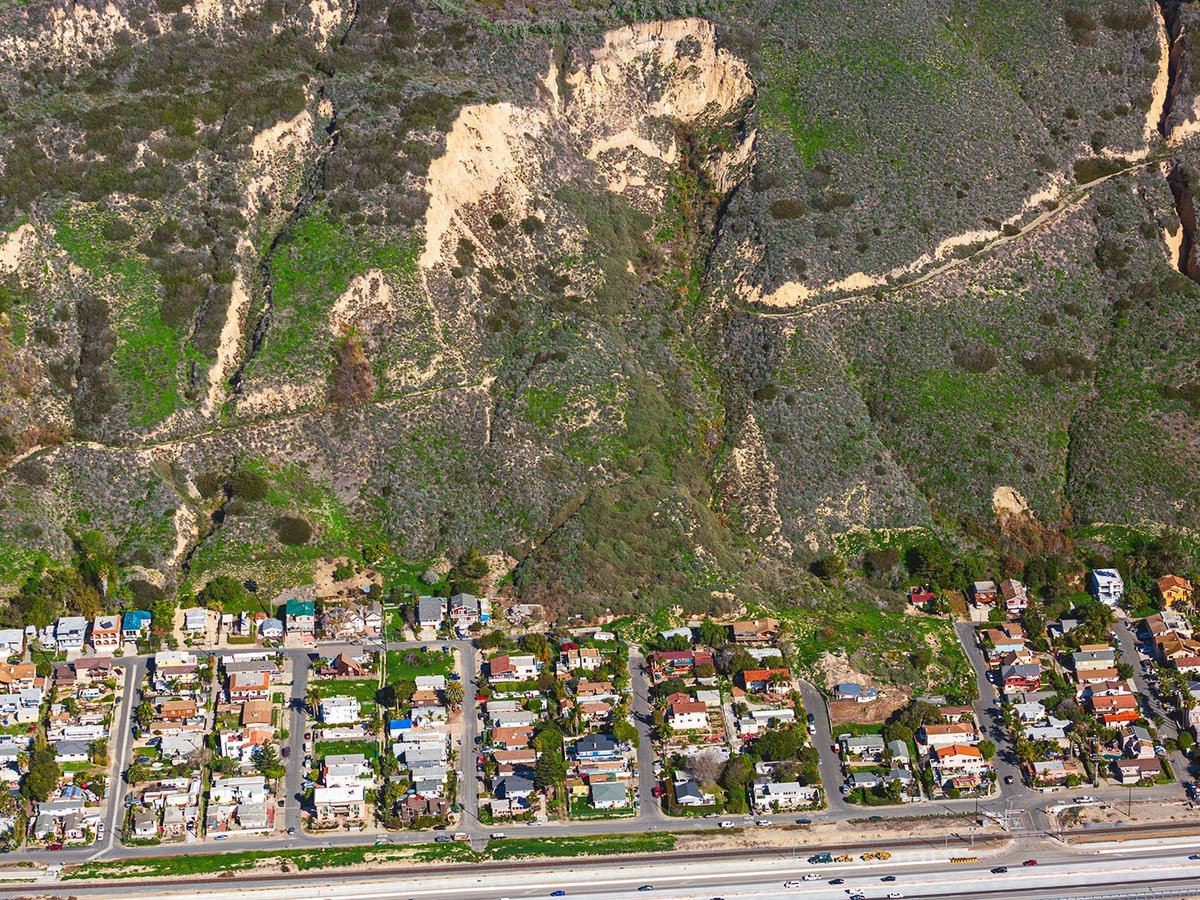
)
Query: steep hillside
[{"x": 661, "y": 301}]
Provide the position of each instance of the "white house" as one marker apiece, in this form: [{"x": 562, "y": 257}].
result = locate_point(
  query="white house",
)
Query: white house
[
  {"x": 784, "y": 795},
  {"x": 686, "y": 714},
  {"x": 70, "y": 632},
  {"x": 345, "y": 770},
  {"x": 1106, "y": 585},
  {"x": 339, "y": 710},
  {"x": 12, "y": 640},
  {"x": 243, "y": 789}
]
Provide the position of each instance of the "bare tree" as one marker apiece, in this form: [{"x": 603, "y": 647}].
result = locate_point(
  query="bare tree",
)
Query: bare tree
[{"x": 706, "y": 767}]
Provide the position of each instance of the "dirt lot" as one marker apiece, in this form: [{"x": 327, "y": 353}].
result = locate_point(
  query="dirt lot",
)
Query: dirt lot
[
  {"x": 833, "y": 833},
  {"x": 1145, "y": 811},
  {"x": 838, "y": 670}
]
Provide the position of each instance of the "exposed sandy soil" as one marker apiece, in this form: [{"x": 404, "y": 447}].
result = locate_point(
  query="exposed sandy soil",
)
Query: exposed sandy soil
[
  {"x": 1121, "y": 813},
  {"x": 830, "y": 832},
  {"x": 836, "y": 670}
]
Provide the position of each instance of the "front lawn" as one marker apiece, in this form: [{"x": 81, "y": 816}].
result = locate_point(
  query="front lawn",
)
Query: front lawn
[{"x": 406, "y": 665}]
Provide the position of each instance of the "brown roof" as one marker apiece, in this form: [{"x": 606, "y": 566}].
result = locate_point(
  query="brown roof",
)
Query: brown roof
[{"x": 256, "y": 712}]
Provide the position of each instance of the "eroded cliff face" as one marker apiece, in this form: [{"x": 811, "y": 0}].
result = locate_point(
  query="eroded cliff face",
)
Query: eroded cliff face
[
  {"x": 72, "y": 33},
  {"x": 617, "y": 109}
]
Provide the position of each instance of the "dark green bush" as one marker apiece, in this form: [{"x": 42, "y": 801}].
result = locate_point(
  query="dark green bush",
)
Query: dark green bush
[{"x": 292, "y": 530}]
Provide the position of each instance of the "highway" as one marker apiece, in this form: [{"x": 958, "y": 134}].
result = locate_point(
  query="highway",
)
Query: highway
[{"x": 1060, "y": 873}]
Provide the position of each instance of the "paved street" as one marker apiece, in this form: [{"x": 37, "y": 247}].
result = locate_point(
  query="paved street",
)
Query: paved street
[
  {"x": 1148, "y": 698},
  {"x": 831, "y": 764},
  {"x": 297, "y": 718},
  {"x": 987, "y": 711},
  {"x": 641, "y": 708}
]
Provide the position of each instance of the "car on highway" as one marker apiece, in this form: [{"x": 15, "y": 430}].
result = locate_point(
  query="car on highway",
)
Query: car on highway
[
  {"x": 646, "y": 887},
  {"x": 888, "y": 878},
  {"x": 894, "y": 895},
  {"x": 1194, "y": 856},
  {"x": 837, "y": 881},
  {"x": 1029, "y": 862},
  {"x": 763, "y": 823},
  {"x": 804, "y": 821},
  {"x": 999, "y": 870},
  {"x": 811, "y": 876},
  {"x": 291, "y": 829},
  {"x": 1086, "y": 798},
  {"x": 497, "y": 835},
  {"x": 725, "y": 824},
  {"x": 795, "y": 884},
  {"x": 558, "y": 893}
]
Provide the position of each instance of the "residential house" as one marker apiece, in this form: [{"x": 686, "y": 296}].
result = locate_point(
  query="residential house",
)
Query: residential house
[
  {"x": 345, "y": 769},
  {"x": 1054, "y": 731},
  {"x": 300, "y": 616},
  {"x": 1053, "y": 771},
  {"x": 765, "y": 681},
  {"x": 257, "y": 713},
  {"x": 271, "y": 629},
  {"x": 921, "y": 596},
  {"x": 340, "y": 803},
  {"x": 982, "y": 592},
  {"x": 69, "y": 632},
  {"x": 513, "y": 668},
  {"x": 1106, "y": 585},
  {"x": 514, "y": 738},
  {"x": 934, "y": 736},
  {"x": 689, "y": 793},
  {"x": 1134, "y": 771},
  {"x": 572, "y": 657},
  {"x": 863, "y": 747},
  {"x": 1113, "y": 710},
  {"x": 1099, "y": 658},
  {"x": 1174, "y": 590},
  {"x": 686, "y": 714},
  {"x": 1009, "y": 637},
  {"x": 430, "y": 612},
  {"x": 595, "y": 746},
  {"x": 245, "y": 686},
  {"x": 176, "y": 710},
  {"x": 854, "y": 691},
  {"x": 756, "y": 631},
  {"x": 12, "y": 641},
  {"x": 609, "y": 795},
  {"x": 467, "y": 610},
  {"x": 957, "y": 759},
  {"x": 134, "y": 625},
  {"x": 1092, "y": 677},
  {"x": 352, "y": 620},
  {"x": 1015, "y": 595},
  {"x": 339, "y": 710},
  {"x": 513, "y": 787},
  {"x": 195, "y": 621},
  {"x": 238, "y": 789},
  {"x": 346, "y": 666},
  {"x": 772, "y": 796},
  {"x": 415, "y": 808},
  {"x": 1021, "y": 677}
]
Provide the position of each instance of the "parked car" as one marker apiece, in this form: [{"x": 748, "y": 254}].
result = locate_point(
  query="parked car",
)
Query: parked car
[
  {"x": 221, "y": 837},
  {"x": 55, "y": 847},
  {"x": 656, "y": 791},
  {"x": 763, "y": 823},
  {"x": 804, "y": 821},
  {"x": 726, "y": 824},
  {"x": 1086, "y": 798},
  {"x": 442, "y": 839}
]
